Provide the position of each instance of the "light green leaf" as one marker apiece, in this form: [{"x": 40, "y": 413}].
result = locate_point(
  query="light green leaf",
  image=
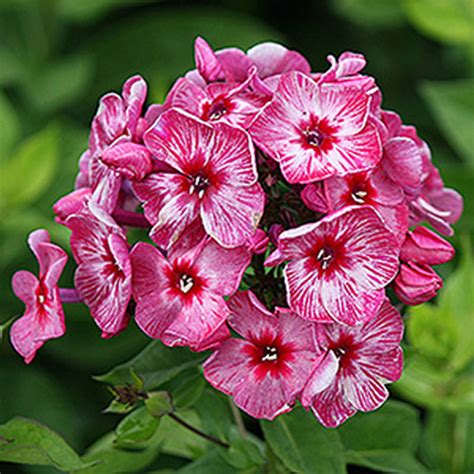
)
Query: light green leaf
[
  {"x": 449, "y": 21},
  {"x": 136, "y": 428},
  {"x": 156, "y": 364},
  {"x": 303, "y": 445},
  {"x": 384, "y": 440},
  {"x": 30, "y": 171},
  {"x": 25, "y": 441},
  {"x": 374, "y": 13},
  {"x": 452, "y": 104},
  {"x": 9, "y": 126},
  {"x": 59, "y": 84},
  {"x": 159, "y": 404}
]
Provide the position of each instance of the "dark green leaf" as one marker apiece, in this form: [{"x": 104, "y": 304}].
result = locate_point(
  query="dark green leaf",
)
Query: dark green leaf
[
  {"x": 214, "y": 462},
  {"x": 28, "y": 442},
  {"x": 245, "y": 454},
  {"x": 215, "y": 414},
  {"x": 303, "y": 445},
  {"x": 155, "y": 365},
  {"x": 186, "y": 388}
]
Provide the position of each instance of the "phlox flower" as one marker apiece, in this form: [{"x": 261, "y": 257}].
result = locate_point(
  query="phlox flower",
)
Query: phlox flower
[
  {"x": 180, "y": 297},
  {"x": 103, "y": 277},
  {"x": 339, "y": 266},
  {"x": 265, "y": 370},
  {"x": 358, "y": 362},
  {"x": 43, "y": 318},
  {"x": 317, "y": 131},
  {"x": 213, "y": 180}
]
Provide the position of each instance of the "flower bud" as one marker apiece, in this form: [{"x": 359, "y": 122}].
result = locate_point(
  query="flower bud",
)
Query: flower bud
[
  {"x": 258, "y": 243},
  {"x": 72, "y": 203},
  {"x": 314, "y": 198},
  {"x": 423, "y": 246},
  {"x": 416, "y": 283}
]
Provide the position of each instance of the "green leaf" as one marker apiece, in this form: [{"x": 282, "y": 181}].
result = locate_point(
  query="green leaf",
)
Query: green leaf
[
  {"x": 4, "y": 326},
  {"x": 30, "y": 171},
  {"x": 186, "y": 388},
  {"x": 156, "y": 364},
  {"x": 10, "y": 127},
  {"x": 374, "y": 13},
  {"x": 452, "y": 104},
  {"x": 449, "y": 21},
  {"x": 245, "y": 454},
  {"x": 87, "y": 10},
  {"x": 25, "y": 441},
  {"x": 213, "y": 462},
  {"x": 303, "y": 445},
  {"x": 384, "y": 440},
  {"x": 110, "y": 458},
  {"x": 138, "y": 427},
  {"x": 447, "y": 442}
]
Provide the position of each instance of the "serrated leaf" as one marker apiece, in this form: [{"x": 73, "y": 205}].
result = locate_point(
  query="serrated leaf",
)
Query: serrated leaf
[
  {"x": 303, "y": 444},
  {"x": 30, "y": 171},
  {"x": 29, "y": 442},
  {"x": 155, "y": 365},
  {"x": 452, "y": 104}
]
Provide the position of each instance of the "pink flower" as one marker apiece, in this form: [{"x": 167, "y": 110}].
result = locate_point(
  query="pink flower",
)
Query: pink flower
[
  {"x": 103, "y": 277},
  {"x": 266, "y": 370},
  {"x": 357, "y": 364},
  {"x": 232, "y": 103},
  {"x": 338, "y": 267},
  {"x": 316, "y": 131},
  {"x": 372, "y": 188},
  {"x": 416, "y": 283},
  {"x": 424, "y": 246},
  {"x": 180, "y": 299},
  {"x": 215, "y": 181},
  {"x": 314, "y": 197},
  {"x": 43, "y": 318},
  {"x": 114, "y": 143},
  {"x": 70, "y": 204}
]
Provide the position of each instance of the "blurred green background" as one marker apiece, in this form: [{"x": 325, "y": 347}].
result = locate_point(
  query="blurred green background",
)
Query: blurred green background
[{"x": 57, "y": 57}]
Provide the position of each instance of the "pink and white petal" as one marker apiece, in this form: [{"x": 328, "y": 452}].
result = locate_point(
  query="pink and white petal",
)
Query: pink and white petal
[
  {"x": 105, "y": 183},
  {"x": 231, "y": 214},
  {"x": 206, "y": 61},
  {"x": 353, "y": 153},
  {"x": 387, "y": 191},
  {"x": 396, "y": 219},
  {"x": 331, "y": 407},
  {"x": 199, "y": 317},
  {"x": 235, "y": 64},
  {"x": 131, "y": 160},
  {"x": 188, "y": 96},
  {"x": 229, "y": 366},
  {"x": 299, "y": 242},
  {"x": 71, "y": 203},
  {"x": 403, "y": 162},
  {"x": 24, "y": 285},
  {"x": 345, "y": 108},
  {"x": 322, "y": 376},
  {"x": 382, "y": 333},
  {"x": 223, "y": 268},
  {"x": 23, "y": 339},
  {"x": 178, "y": 213},
  {"x": 249, "y": 317},
  {"x": 263, "y": 399},
  {"x": 296, "y": 331},
  {"x": 178, "y": 137},
  {"x": 273, "y": 58},
  {"x": 386, "y": 366},
  {"x": 392, "y": 121},
  {"x": 214, "y": 340},
  {"x": 362, "y": 390},
  {"x": 134, "y": 94},
  {"x": 233, "y": 156}
]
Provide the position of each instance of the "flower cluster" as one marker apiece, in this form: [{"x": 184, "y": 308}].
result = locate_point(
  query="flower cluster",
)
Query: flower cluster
[{"x": 256, "y": 180}]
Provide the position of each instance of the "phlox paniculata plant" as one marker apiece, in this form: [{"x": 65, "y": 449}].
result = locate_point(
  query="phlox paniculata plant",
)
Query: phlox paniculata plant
[{"x": 282, "y": 207}]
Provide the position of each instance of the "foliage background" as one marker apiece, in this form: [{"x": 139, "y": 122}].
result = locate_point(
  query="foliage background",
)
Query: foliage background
[{"x": 58, "y": 56}]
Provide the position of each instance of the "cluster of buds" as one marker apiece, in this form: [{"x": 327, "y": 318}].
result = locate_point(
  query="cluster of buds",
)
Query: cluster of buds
[{"x": 257, "y": 180}]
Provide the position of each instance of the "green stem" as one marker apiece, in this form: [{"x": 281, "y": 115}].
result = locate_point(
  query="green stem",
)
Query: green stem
[{"x": 238, "y": 419}]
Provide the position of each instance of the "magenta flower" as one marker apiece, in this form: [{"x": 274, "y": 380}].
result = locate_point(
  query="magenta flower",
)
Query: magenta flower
[
  {"x": 114, "y": 144},
  {"x": 372, "y": 188},
  {"x": 358, "y": 362},
  {"x": 338, "y": 267},
  {"x": 180, "y": 299},
  {"x": 317, "y": 131},
  {"x": 103, "y": 277},
  {"x": 43, "y": 318},
  {"x": 266, "y": 370},
  {"x": 232, "y": 103},
  {"x": 214, "y": 181},
  {"x": 70, "y": 204}
]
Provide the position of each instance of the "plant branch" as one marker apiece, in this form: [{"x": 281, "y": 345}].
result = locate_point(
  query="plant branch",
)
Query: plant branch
[
  {"x": 238, "y": 419},
  {"x": 189, "y": 427}
]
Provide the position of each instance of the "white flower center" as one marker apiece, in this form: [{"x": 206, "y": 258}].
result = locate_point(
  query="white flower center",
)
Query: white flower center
[
  {"x": 186, "y": 283},
  {"x": 358, "y": 196},
  {"x": 325, "y": 256},
  {"x": 199, "y": 184},
  {"x": 270, "y": 354}
]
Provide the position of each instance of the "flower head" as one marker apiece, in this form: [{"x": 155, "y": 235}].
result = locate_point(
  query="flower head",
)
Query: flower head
[
  {"x": 317, "y": 131},
  {"x": 266, "y": 370},
  {"x": 213, "y": 180},
  {"x": 103, "y": 277},
  {"x": 180, "y": 298},
  {"x": 358, "y": 362},
  {"x": 43, "y": 318},
  {"x": 338, "y": 267}
]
